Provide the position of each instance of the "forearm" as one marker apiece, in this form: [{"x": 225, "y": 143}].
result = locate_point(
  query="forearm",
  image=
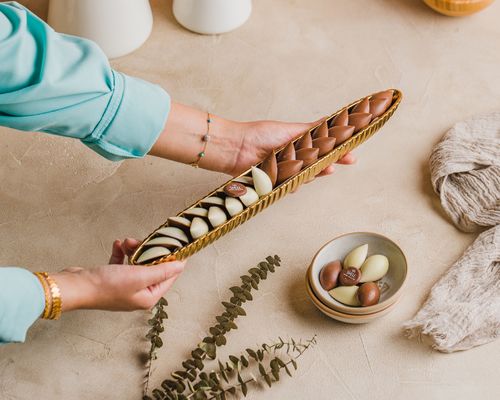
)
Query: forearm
[
  {"x": 21, "y": 303},
  {"x": 182, "y": 139}
]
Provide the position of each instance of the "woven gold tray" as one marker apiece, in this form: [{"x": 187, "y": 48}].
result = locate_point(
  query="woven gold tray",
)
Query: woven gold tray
[{"x": 279, "y": 191}]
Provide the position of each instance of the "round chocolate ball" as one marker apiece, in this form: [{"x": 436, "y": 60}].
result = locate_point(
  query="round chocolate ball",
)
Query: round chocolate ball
[
  {"x": 368, "y": 294},
  {"x": 329, "y": 275}
]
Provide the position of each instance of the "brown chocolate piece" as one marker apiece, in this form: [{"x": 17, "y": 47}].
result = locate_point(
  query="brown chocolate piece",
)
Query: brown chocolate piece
[
  {"x": 287, "y": 169},
  {"x": 305, "y": 142},
  {"x": 341, "y": 133},
  {"x": 368, "y": 294},
  {"x": 341, "y": 119},
  {"x": 384, "y": 94},
  {"x": 349, "y": 276},
  {"x": 287, "y": 154},
  {"x": 379, "y": 106},
  {"x": 321, "y": 131},
  {"x": 235, "y": 189},
  {"x": 359, "y": 120},
  {"x": 328, "y": 277},
  {"x": 270, "y": 167},
  {"x": 324, "y": 144},
  {"x": 362, "y": 107},
  {"x": 307, "y": 155}
]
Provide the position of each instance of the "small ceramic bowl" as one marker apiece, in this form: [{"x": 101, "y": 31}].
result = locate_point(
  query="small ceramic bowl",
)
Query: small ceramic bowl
[
  {"x": 346, "y": 318},
  {"x": 391, "y": 285}
]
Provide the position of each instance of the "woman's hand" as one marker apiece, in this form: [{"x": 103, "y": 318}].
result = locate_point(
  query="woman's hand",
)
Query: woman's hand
[
  {"x": 116, "y": 287},
  {"x": 233, "y": 146},
  {"x": 259, "y": 138}
]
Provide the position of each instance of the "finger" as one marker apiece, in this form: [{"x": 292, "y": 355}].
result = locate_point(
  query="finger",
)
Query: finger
[
  {"x": 147, "y": 276},
  {"x": 116, "y": 253},
  {"x": 327, "y": 171},
  {"x": 349, "y": 158},
  {"x": 159, "y": 289},
  {"x": 130, "y": 245},
  {"x": 296, "y": 129}
]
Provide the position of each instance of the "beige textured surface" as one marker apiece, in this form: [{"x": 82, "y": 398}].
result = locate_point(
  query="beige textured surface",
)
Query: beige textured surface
[{"x": 61, "y": 205}]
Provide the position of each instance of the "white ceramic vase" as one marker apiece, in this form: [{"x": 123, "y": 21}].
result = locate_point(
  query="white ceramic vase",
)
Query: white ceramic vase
[
  {"x": 212, "y": 16},
  {"x": 117, "y": 26}
]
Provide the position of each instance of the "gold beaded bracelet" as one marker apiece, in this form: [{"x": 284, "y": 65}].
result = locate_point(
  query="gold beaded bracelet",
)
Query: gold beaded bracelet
[
  {"x": 53, "y": 300},
  {"x": 205, "y": 138}
]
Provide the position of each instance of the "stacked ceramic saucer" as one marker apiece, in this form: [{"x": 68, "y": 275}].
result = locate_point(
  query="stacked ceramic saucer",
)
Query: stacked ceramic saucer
[{"x": 389, "y": 287}]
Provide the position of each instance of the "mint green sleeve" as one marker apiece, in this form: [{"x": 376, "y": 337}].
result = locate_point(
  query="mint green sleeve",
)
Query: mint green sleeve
[
  {"x": 64, "y": 85},
  {"x": 22, "y": 301}
]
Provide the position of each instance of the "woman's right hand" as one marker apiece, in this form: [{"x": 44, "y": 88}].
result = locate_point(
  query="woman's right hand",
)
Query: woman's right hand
[{"x": 116, "y": 287}]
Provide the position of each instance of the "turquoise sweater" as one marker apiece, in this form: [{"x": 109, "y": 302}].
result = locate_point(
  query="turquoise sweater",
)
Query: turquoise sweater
[{"x": 63, "y": 85}]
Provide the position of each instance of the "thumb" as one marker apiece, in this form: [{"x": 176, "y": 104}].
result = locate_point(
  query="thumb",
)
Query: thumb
[
  {"x": 296, "y": 129},
  {"x": 148, "y": 276}
]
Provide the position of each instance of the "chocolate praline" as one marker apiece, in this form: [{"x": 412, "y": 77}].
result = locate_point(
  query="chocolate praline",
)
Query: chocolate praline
[
  {"x": 270, "y": 167},
  {"x": 287, "y": 169},
  {"x": 305, "y": 142},
  {"x": 362, "y": 107},
  {"x": 287, "y": 154},
  {"x": 349, "y": 276}
]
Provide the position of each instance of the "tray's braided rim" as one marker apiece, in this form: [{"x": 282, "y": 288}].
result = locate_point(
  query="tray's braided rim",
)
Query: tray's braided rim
[{"x": 278, "y": 192}]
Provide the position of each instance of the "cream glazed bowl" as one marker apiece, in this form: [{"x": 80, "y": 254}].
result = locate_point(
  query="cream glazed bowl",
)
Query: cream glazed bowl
[{"x": 391, "y": 285}]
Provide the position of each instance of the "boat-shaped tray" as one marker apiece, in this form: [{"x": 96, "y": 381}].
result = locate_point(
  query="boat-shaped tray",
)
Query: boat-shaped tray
[{"x": 277, "y": 192}]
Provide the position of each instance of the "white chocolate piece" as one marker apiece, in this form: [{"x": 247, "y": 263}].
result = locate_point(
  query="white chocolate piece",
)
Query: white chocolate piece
[
  {"x": 262, "y": 183},
  {"x": 233, "y": 206},
  {"x": 153, "y": 252},
  {"x": 179, "y": 222},
  {"x": 347, "y": 295},
  {"x": 250, "y": 197},
  {"x": 374, "y": 268},
  {"x": 198, "y": 227},
  {"x": 247, "y": 180},
  {"x": 173, "y": 232},
  {"x": 216, "y": 216},
  {"x": 165, "y": 241},
  {"x": 196, "y": 212},
  {"x": 212, "y": 201},
  {"x": 356, "y": 257}
]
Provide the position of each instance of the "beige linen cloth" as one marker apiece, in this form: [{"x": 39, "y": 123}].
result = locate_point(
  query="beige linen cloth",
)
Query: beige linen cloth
[{"x": 463, "y": 307}]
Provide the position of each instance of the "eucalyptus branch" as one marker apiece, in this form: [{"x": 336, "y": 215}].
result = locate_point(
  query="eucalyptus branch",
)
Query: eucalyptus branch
[
  {"x": 157, "y": 327},
  {"x": 192, "y": 382},
  {"x": 225, "y": 322},
  {"x": 270, "y": 375}
]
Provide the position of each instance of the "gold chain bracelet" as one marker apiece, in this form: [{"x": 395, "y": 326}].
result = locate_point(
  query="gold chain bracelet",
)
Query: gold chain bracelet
[
  {"x": 53, "y": 300},
  {"x": 205, "y": 138}
]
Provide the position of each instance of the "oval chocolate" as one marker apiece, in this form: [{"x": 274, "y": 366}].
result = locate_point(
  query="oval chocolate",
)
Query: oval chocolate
[
  {"x": 235, "y": 189},
  {"x": 287, "y": 169},
  {"x": 288, "y": 153},
  {"x": 270, "y": 167},
  {"x": 378, "y": 106},
  {"x": 341, "y": 133},
  {"x": 341, "y": 119},
  {"x": 307, "y": 155},
  {"x": 321, "y": 131},
  {"x": 362, "y": 107},
  {"x": 324, "y": 144},
  {"x": 368, "y": 294},
  {"x": 329, "y": 274},
  {"x": 349, "y": 276},
  {"x": 305, "y": 142},
  {"x": 359, "y": 120},
  {"x": 384, "y": 94}
]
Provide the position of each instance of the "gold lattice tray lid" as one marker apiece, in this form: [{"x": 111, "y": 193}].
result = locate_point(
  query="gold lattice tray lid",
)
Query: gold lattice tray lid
[{"x": 281, "y": 173}]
